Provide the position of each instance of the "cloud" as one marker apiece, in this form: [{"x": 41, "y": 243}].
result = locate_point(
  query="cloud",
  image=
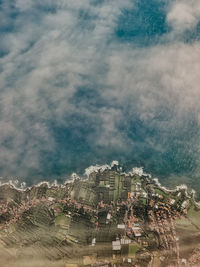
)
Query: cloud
[
  {"x": 161, "y": 75},
  {"x": 184, "y": 15},
  {"x": 52, "y": 50},
  {"x": 72, "y": 92}
]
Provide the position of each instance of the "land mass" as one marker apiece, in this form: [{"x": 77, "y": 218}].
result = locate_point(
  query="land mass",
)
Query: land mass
[{"x": 112, "y": 218}]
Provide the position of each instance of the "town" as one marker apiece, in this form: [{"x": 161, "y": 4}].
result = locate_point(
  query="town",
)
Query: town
[{"x": 113, "y": 218}]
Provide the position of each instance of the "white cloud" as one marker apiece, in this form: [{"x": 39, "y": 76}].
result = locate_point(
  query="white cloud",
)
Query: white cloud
[
  {"x": 184, "y": 15},
  {"x": 109, "y": 136},
  {"x": 52, "y": 54},
  {"x": 155, "y": 77}
]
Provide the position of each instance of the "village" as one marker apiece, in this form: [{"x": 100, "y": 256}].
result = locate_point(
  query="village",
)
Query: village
[{"x": 129, "y": 215}]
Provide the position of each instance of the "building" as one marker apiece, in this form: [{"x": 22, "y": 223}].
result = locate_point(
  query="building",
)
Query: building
[
  {"x": 116, "y": 245},
  {"x": 137, "y": 231}
]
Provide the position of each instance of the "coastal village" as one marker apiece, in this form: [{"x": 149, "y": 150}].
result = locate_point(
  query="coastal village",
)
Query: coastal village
[{"x": 114, "y": 218}]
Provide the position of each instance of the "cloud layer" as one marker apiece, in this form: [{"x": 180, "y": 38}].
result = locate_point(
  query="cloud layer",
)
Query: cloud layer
[{"x": 75, "y": 91}]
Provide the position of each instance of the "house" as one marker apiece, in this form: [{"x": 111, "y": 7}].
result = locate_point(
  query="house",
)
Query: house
[
  {"x": 137, "y": 231},
  {"x": 172, "y": 201},
  {"x": 116, "y": 245},
  {"x": 144, "y": 194},
  {"x": 184, "y": 204},
  {"x": 93, "y": 242},
  {"x": 51, "y": 198},
  {"x": 121, "y": 226},
  {"x": 125, "y": 241},
  {"x": 108, "y": 216}
]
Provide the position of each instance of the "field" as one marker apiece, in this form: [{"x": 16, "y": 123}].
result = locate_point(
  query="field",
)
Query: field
[{"x": 188, "y": 232}]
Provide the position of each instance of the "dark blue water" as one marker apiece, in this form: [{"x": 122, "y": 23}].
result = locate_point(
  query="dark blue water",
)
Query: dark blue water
[{"x": 143, "y": 25}]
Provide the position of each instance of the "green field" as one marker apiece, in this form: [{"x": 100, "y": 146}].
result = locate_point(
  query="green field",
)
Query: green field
[
  {"x": 62, "y": 220},
  {"x": 194, "y": 215},
  {"x": 133, "y": 248}
]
